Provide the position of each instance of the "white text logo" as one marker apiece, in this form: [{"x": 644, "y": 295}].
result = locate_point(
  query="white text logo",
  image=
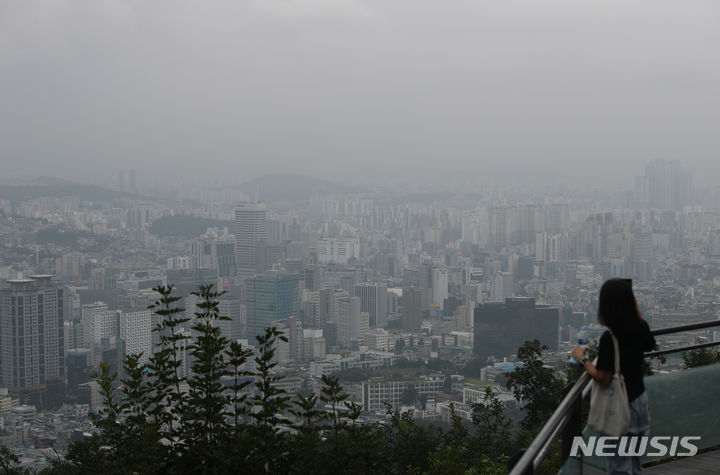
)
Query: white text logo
[{"x": 634, "y": 446}]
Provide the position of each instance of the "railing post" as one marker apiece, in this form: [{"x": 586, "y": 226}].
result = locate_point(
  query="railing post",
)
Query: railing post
[{"x": 573, "y": 427}]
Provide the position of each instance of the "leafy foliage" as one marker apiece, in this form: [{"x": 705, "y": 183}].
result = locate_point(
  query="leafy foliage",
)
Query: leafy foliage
[
  {"x": 9, "y": 462},
  {"x": 701, "y": 357},
  {"x": 230, "y": 415},
  {"x": 537, "y": 386}
]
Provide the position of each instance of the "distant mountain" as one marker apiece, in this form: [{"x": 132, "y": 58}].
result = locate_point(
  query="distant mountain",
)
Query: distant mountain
[
  {"x": 51, "y": 180},
  {"x": 52, "y": 187},
  {"x": 289, "y": 187}
]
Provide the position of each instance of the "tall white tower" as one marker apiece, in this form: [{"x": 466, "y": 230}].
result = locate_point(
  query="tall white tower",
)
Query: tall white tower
[{"x": 250, "y": 229}]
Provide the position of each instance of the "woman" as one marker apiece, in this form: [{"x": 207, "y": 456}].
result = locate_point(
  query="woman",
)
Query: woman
[{"x": 618, "y": 310}]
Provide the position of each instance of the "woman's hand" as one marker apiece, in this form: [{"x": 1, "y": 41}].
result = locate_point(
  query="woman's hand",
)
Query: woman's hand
[
  {"x": 603, "y": 377},
  {"x": 579, "y": 352}
]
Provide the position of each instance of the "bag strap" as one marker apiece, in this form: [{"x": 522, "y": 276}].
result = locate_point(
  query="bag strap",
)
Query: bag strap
[{"x": 616, "y": 347}]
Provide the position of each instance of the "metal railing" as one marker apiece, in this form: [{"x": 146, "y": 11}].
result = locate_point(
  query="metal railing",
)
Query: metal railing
[{"x": 566, "y": 420}]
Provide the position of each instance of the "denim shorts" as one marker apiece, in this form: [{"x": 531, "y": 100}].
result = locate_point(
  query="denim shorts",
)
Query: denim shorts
[
  {"x": 639, "y": 425},
  {"x": 639, "y": 415}
]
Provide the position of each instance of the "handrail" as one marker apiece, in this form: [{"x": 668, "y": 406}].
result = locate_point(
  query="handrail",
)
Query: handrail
[
  {"x": 684, "y": 328},
  {"x": 683, "y": 349},
  {"x": 535, "y": 453},
  {"x": 544, "y": 437}
]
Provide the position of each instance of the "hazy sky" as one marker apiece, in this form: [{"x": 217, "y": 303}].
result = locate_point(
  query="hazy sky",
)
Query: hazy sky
[{"x": 565, "y": 90}]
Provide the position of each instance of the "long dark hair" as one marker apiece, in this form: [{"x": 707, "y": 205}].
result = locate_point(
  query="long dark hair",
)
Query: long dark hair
[{"x": 617, "y": 307}]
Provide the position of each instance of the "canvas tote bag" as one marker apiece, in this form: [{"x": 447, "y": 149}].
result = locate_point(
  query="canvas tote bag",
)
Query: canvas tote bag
[{"x": 609, "y": 406}]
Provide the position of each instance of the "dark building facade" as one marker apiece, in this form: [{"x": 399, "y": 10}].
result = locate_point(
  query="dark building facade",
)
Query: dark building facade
[
  {"x": 32, "y": 362},
  {"x": 412, "y": 315},
  {"x": 502, "y": 327},
  {"x": 270, "y": 298}
]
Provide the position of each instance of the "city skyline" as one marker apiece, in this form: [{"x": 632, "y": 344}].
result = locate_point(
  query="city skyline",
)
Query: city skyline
[{"x": 349, "y": 236}]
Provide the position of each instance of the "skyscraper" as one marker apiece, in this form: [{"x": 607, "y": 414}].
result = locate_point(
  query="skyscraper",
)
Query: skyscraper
[
  {"x": 350, "y": 325},
  {"x": 224, "y": 257},
  {"x": 250, "y": 229},
  {"x": 31, "y": 337},
  {"x": 373, "y": 299},
  {"x": 271, "y": 298},
  {"x": 412, "y": 313},
  {"x": 668, "y": 185},
  {"x": 502, "y": 286},
  {"x": 502, "y": 327},
  {"x": 132, "y": 326},
  {"x": 439, "y": 286}
]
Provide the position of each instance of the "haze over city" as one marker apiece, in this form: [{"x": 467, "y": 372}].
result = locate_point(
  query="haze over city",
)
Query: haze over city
[
  {"x": 355, "y": 90},
  {"x": 357, "y": 236}
]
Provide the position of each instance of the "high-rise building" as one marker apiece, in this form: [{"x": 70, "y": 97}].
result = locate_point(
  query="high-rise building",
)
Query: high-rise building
[
  {"x": 224, "y": 255},
  {"x": 133, "y": 327},
  {"x": 313, "y": 343},
  {"x": 201, "y": 253},
  {"x": 250, "y": 230},
  {"x": 412, "y": 313},
  {"x": 373, "y": 299},
  {"x": 351, "y": 324},
  {"x": 541, "y": 243},
  {"x": 502, "y": 286},
  {"x": 499, "y": 219},
  {"x": 503, "y": 327},
  {"x": 289, "y": 351},
  {"x": 271, "y": 298},
  {"x": 421, "y": 277},
  {"x": 555, "y": 248},
  {"x": 525, "y": 223},
  {"x": 136, "y": 332},
  {"x": 439, "y": 287},
  {"x": 233, "y": 308},
  {"x": 338, "y": 250},
  {"x": 555, "y": 219},
  {"x": 668, "y": 184},
  {"x": 31, "y": 336}
]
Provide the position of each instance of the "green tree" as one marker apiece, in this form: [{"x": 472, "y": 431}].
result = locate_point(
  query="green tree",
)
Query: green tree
[
  {"x": 332, "y": 393},
  {"x": 492, "y": 437},
  {"x": 168, "y": 401},
  {"x": 700, "y": 357},
  {"x": 206, "y": 419},
  {"x": 106, "y": 452},
  {"x": 458, "y": 433},
  {"x": 140, "y": 433},
  {"x": 157, "y": 422},
  {"x": 409, "y": 395},
  {"x": 408, "y": 444},
  {"x": 473, "y": 368},
  {"x": 9, "y": 462},
  {"x": 236, "y": 357},
  {"x": 448, "y": 460},
  {"x": 268, "y": 453},
  {"x": 537, "y": 387},
  {"x": 307, "y": 445}
]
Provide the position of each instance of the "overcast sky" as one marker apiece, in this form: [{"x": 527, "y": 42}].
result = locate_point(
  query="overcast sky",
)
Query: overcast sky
[{"x": 560, "y": 90}]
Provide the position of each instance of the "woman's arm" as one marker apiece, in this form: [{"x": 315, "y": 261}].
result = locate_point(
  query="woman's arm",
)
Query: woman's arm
[{"x": 601, "y": 376}]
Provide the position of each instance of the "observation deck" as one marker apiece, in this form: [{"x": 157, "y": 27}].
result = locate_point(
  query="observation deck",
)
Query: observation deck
[{"x": 682, "y": 403}]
